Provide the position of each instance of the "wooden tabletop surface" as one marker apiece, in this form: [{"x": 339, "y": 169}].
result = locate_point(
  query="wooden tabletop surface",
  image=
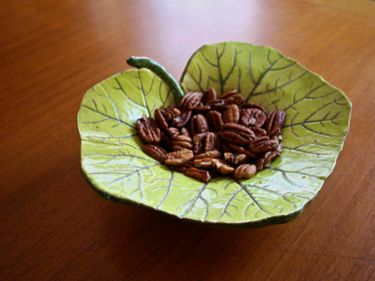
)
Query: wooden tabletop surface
[{"x": 53, "y": 226}]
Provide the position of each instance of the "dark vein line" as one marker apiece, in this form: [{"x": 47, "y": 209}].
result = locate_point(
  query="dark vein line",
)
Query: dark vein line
[
  {"x": 228, "y": 204},
  {"x": 85, "y": 106},
  {"x": 143, "y": 93},
  {"x": 219, "y": 70},
  {"x": 283, "y": 67},
  {"x": 312, "y": 122},
  {"x": 195, "y": 80},
  {"x": 251, "y": 196},
  {"x": 319, "y": 133},
  {"x": 168, "y": 190},
  {"x": 193, "y": 201},
  {"x": 210, "y": 63},
  {"x": 249, "y": 67},
  {"x": 123, "y": 91},
  {"x": 281, "y": 86},
  {"x": 307, "y": 152},
  {"x": 135, "y": 171}
]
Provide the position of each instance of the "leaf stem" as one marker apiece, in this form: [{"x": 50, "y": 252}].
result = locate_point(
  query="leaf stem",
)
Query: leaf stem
[{"x": 159, "y": 70}]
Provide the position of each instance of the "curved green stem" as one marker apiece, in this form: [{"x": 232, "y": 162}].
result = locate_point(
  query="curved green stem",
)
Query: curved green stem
[{"x": 143, "y": 62}]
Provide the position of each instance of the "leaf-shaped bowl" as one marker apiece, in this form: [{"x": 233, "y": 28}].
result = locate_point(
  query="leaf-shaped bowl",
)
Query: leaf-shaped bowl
[{"x": 317, "y": 122}]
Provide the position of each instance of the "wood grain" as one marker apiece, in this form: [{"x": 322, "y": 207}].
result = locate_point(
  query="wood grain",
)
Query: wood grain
[{"x": 53, "y": 226}]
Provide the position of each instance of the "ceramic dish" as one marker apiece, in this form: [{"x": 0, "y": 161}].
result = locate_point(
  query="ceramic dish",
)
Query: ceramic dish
[{"x": 317, "y": 122}]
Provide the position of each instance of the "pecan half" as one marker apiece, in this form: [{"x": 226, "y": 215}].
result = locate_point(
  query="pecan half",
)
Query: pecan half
[
  {"x": 215, "y": 123},
  {"x": 183, "y": 142},
  {"x": 173, "y": 132},
  {"x": 222, "y": 166},
  {"x": 183, "y": 168},
  {"x": 253, "y": 105},
  {"x": 232, "y": 114},
  {"x": 202, "y": 108},
  {"x": 240, "y": 150},
  {"x": 182, "y": 119},
  {"x": 148, "y": 129},
  {"x": 185, "y": 132},
  {"x": 166, "y": 142},
  {"x": 198, "y": 174},
  {"x": 253, "y": 117},
  {"x": 263, "y": 144},
  {"x": 266, "y": 159},
  {"x": 234, "y": 99},
  {"x": 190, "y": 100},
  {"x": 218, "y": 104},
  {"x": 212, "y": 142},
  {"x": 208, "y": 154},
  {"x": 155, "y": 151},
  {"x": 258, "y": 132},
  {"x": 228, "y": 94},
  {"x": 231, "y": 137},
  {"x": 198, "y": 125},
  {"x": 235, "y": 159},
  {"x": 198, "y": 143},
  {"x": 245, "y": 171},
  {"x": 224, "y": 148},
  {"x": 208, "y": 95},
  {"x": 178, "y": 158},
  {"x": 239, "y": 129},
  {"x": 160, "y": 120},
  {"x": 204, "y": 163}
]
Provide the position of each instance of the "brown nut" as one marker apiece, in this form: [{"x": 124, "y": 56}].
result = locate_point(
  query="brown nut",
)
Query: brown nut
[
  {"x": 155, "y": 151},
  {"x": 239, "y": 129},
  {"x": 166, "y": 142},
  {"x": 202, "y": 108},
  {"x": 190, "y": 100},
  {"x": 173, "y": 132},
  {"x": 198, "y": 125},
  {"x": 185, "y": 132},
  {"x": 183, "y": 141},
  {"x": 204, "y": 163},
  {"x": 266, "y": 159},
  {"x": 224, "y": 148},
  {"x": 208, "y": 95},
  {"x": 234, "y": 99},
  {"x": 212, "y": 142},
  {"x": 222, "y": 166},
  {"x": 253, "y": 117},
  {"x": 183, "y": 168},
  {"x": 245, "y": 171},
  {"x": 209, "y": 154},
  {"x": 198, "y": 143},
  {"x": 235, "y": 159},
  {"x": 182, "y": 119},
  {"x": 275, "y": 122},
  {"x": 215, "y": 123},
  {"x": 231, "y": 137},
  {"x": 253, "y": 105},
  {"x": 198, "y": 174},
  {"x": 148, "y": 129},
  {"x": 232, "y": 114},
  {"x": 160, "y": 120},
  {"x": 228, "y": 94},
  {"x": 258, "y": 132},
  {"x": 218, "y": 104},
  {"x": 178, "y": 158},
  {"x": 240, "y": 150},
  {"x": 263, "y": 144}
]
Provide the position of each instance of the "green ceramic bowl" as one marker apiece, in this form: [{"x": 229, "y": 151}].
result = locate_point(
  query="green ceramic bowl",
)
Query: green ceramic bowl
[{"x": 317, "y": 122}]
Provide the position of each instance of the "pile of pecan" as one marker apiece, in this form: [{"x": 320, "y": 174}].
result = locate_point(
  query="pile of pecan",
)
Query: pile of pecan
[{"x": 206, "y": 135}]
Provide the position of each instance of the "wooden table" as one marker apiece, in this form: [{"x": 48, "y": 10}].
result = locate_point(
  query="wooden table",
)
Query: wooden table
[{"x": 53, "y": 226}]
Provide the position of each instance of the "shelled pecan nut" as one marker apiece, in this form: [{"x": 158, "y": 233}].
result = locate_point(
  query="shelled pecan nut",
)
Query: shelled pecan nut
[
  {"x": 148, "y": 129},
  {"x": 231, "y": 137},
  {"x": 262, "y": 145},
  {"x": 202, "y": 108},
  {"x": 253, "y": 117},
  {"x": 258, "y": 132},
  {"x": 253, "y": 105},
  {"x": 198, "y": 141},
  {"x": 183, "y": 168},
  {"x": 190, "y": 100},
  {"x": 182, "y": 141},
  {"x": 155, "y": 151},
  {"x": 166, "y": 142},
  {"x": 198, "y": 124},
  {"x": 234, "y": 99},
  {"x": 235, "y": 159},
  {"x": 160, "y": 120},
  {"x": 185, "y": 132},
  {"x": 228, "y": 94},
  {"x": 222, "y": 166},
  {"x": 209, "y": 154},
  {"x": 198, "y": 174},
  {"x": 241, "y": 150},
  {"x": 204, "y": 163},
  {"x": 178, "y": 158},
  {"x": 232, "y": 114},
  {"x": 208, "y": 95},
  {"x": 245, "y": 171},
  {"x": 173, "y": 132},
  {"x": 212, "y": 142},
  {"x": 218, "y": 104},
  {"x": 239, "y": 129},
  {"x": 266, "y": 159},
  {"x": 214, "y": 120},
  {"x": 182, "y": 119}
]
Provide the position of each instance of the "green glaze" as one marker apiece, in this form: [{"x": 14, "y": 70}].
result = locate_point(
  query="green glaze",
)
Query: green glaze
[
  {"x": 317, "y": 122},
  {"x": 143, "y": 62}
]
